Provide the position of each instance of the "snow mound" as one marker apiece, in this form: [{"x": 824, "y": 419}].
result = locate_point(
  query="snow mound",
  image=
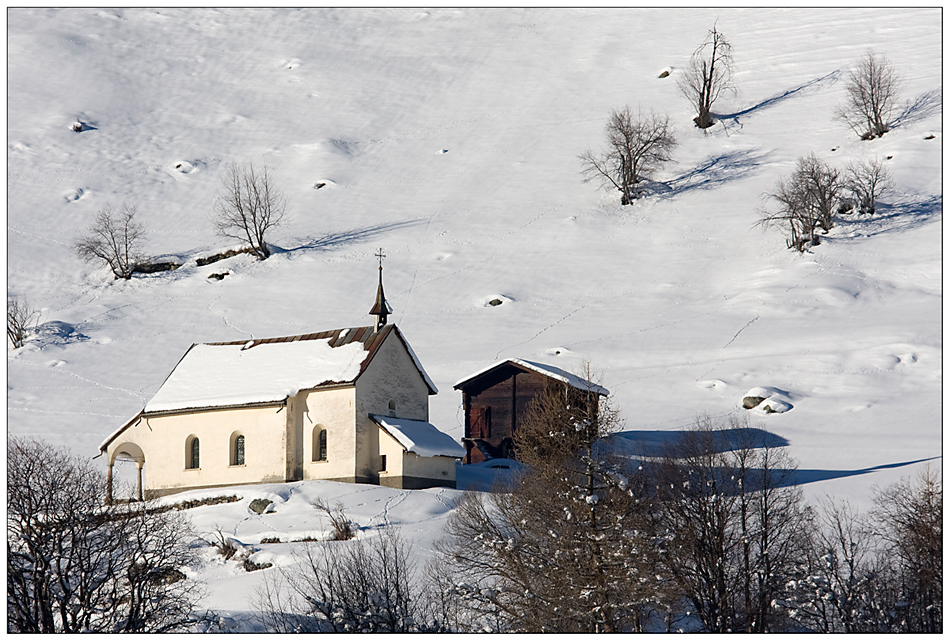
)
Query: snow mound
[{"x": 775, "y": 401}]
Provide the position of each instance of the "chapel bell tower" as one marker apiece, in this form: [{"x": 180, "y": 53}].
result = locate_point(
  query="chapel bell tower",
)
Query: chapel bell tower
[{"x": 381, "y": 308}]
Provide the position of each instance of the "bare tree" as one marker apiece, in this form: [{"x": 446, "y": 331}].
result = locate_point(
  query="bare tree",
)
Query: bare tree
[
  {"x": 637, "y": 145},
  {"x": 114, "y": 239},
  {"x": 75, "y": 564},
  {"x": 872, "y": 89},
  {"x": 909, "y": 518},
  {"x": 249, "y": 207},
  {"x": 355, "y": 586},
  {"x": 22, "y": 320},
  {"x": 734, "y": 527},
  {"x": 867, "y": 180},
  {"x": 708, "y": 76},
  {"x": 836, "y": 589},
  {"x": 821, "y": 186},
  {"x": 791, "y": 215},
  {"x": 566, "y": 549},
  {"x": 806, "y": 200}
]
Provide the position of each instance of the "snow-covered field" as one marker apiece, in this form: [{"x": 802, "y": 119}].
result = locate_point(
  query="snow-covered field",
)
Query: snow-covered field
[{"x": 450, "y": 137}]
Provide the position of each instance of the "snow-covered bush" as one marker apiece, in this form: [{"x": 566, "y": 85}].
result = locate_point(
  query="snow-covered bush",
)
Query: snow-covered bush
[{"x": 343, "y": 528}]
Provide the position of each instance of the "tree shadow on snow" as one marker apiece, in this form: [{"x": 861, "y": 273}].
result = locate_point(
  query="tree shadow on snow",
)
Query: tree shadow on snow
[
  {"x": 828, "y": 79},
  {"x": 655, "y": 443},
  {"x": 926, "y": 104},
  {"x": 890, "y": 218},
  {"x": 801, "y": 477},
  {"x": 337, "y": 239},
  {"x": 715, "y": 171}
]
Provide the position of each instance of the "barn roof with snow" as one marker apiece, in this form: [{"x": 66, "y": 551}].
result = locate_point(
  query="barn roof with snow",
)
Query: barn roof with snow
[{"x": 548, "y": 370}]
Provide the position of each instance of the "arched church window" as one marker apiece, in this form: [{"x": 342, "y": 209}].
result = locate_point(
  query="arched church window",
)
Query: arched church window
[
  {"x": 237, "y": 450},
  {"x": 319, "y": 443},
  {"x": 192, "y": 453}
]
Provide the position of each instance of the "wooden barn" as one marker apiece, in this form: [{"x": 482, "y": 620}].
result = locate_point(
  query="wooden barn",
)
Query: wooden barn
[{"x": 495, "y": 400}]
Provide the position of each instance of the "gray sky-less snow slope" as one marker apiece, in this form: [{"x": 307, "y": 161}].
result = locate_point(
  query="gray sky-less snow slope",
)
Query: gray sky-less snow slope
[{"x": 450, "y": 137}]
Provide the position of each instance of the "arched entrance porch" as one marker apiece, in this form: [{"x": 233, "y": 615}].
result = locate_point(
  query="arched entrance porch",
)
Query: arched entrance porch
[{"x": 127, "y": 452}]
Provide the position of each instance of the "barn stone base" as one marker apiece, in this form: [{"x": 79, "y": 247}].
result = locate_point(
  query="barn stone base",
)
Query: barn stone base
[{"x": 414, "y": 482}]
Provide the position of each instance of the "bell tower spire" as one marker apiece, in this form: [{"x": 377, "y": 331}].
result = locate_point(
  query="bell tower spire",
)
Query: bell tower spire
[{"x": 381, "y": 308}]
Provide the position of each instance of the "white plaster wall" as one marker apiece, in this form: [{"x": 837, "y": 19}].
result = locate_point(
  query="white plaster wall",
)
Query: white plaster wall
[
  {"x": 399, "y": 462},
  {"x": 440, "y": 468},
  {"x": 391, "y": 376},
  {"x": 162, "y": 440},
  {"x": 334, "y": 409},
  {"x": 394, "y": 452}
]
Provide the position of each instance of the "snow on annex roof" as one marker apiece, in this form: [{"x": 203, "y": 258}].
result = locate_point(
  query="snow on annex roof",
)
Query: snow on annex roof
[
  {"x": 420, "y": 437},
  {"x": 548, "y": 370},
  {"x": 269, "y": 370}
]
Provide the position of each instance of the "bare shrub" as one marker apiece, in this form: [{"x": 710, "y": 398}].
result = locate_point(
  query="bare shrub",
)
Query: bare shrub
[
  {"x": 355, "y": 586},
  {"x": 249, "y": 207},
  {"x": 225, "y": 545},
  {"x": 872, "y": 88},
  {"x": 76, "y": 564},
  {"x": 114, "y": 238},
  {"x": 343, "y": 529},
  {"x": 22, "y": 320},
  {"x": 866, "y": 181},
  {"x": 637, "y": 145},
  {"x": 708, "y": 76}
]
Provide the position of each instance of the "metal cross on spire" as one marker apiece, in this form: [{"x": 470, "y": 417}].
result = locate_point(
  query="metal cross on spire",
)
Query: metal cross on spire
[{"x": 381, "y": 308}]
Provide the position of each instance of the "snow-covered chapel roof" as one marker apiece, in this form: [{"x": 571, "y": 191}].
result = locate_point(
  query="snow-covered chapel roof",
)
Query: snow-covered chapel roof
[{"x": 270, "y": 369}]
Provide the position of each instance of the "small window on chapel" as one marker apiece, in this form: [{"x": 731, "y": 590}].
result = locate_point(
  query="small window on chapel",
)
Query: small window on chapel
[
  {"x": 319, "y": 444},
  {"x": 238, "y": 457},
  {"x": 382, "y": 463},
  {"x": 192, "y": 452}
]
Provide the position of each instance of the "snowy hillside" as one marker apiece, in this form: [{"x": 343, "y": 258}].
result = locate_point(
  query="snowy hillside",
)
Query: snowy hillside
[{"x": 450, "y": 138}]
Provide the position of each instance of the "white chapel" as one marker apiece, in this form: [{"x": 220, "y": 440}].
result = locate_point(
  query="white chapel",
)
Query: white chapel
[{"x": 346, "y": 404}]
